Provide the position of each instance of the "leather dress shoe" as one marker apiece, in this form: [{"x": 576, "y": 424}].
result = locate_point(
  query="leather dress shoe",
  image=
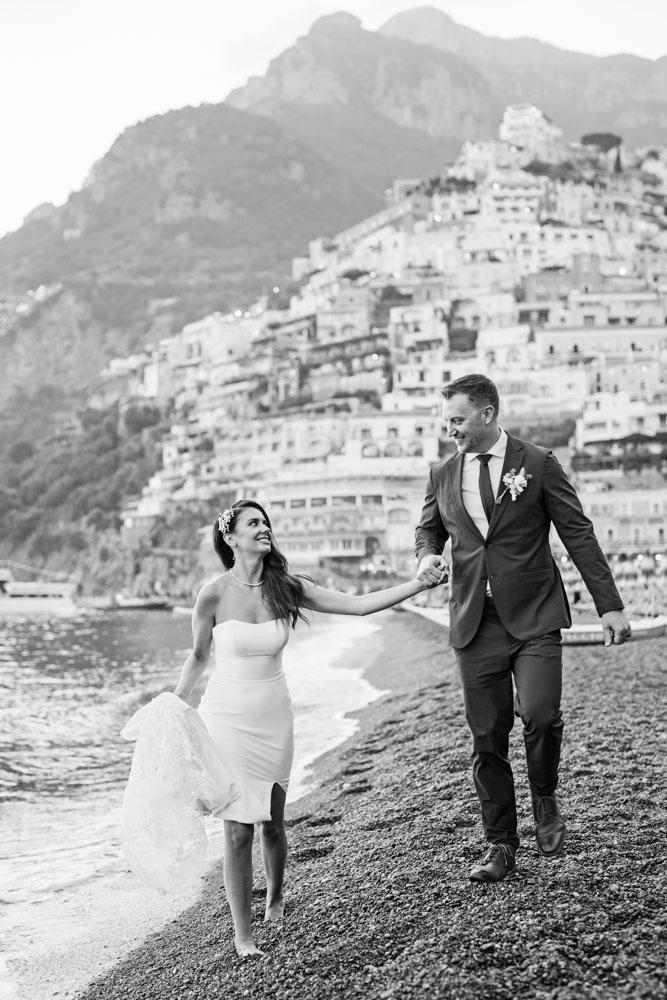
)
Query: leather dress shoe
[
  {"x": 549, "y": 826},
  {"x": 497, "y": 862}
]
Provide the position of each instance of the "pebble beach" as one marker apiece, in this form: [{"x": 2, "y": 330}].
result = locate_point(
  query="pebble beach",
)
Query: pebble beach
[{"x": 379, "y": 904}]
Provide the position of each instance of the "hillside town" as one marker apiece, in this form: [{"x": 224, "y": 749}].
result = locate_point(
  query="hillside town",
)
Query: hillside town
[{"x": 541, "y": 263}]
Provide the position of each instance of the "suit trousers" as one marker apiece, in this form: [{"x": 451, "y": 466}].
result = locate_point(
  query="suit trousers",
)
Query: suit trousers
[{"x": 486, "y": 668}]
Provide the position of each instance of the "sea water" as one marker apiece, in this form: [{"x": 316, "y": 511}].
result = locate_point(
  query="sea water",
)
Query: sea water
[{"x": 67, "y": 686}]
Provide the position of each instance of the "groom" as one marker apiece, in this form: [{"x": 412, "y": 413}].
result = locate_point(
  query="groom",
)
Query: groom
[{"x": 496, "y": 500}]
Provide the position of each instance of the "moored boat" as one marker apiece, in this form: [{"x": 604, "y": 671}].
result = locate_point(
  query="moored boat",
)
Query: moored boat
[
  {"x": 588, "y": 634},
  {"x": 40, "y": 597},
  {"x": 123, "y": 602},
  {"x": 591, "y": 634}
]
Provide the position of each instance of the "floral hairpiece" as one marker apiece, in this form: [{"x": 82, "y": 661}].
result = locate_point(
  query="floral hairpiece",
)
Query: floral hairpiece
[{"x": 225, "y": 518}]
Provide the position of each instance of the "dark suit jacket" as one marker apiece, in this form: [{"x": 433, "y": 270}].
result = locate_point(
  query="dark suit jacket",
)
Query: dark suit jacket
[{"x": 515, "y": 556}]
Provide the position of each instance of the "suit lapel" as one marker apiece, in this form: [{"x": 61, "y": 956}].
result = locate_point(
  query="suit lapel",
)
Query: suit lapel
[
  {"x": 455, "y": 469},
  {"x": 514, "y": 459}
]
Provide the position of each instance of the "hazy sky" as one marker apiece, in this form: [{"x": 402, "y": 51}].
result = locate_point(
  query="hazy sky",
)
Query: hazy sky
[{"x": 75, "y": 73}]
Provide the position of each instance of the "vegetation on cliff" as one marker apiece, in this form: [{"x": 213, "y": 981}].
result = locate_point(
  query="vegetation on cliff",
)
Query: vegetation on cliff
[{"x": 66, "y": 474}]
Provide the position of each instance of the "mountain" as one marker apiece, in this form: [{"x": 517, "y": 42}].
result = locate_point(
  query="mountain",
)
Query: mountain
[
  {"x": 202, "y": 208},
  {"x": 370, "y": 80},
  {"x": 580, "y": 93},
  {"x": 188, "y": 212}
]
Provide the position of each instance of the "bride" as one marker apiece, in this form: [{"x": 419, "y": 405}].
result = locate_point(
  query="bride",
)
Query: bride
[{"x": 246, "y": 613}]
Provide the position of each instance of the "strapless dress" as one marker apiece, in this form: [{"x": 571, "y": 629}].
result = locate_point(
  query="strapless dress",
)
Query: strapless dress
[{"x": 247, "y": 711}]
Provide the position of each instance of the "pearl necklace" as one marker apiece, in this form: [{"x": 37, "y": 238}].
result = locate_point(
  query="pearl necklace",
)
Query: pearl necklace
[{"x": 244, "y": 582}]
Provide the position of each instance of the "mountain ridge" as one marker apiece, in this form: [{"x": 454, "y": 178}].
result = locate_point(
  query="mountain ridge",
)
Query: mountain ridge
[{"x": 202, "y": 209}]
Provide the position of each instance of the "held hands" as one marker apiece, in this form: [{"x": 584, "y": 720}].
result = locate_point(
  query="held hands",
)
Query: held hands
[
  {"x": 616, "y": 628},
  {"x": 432, "y": 570}
]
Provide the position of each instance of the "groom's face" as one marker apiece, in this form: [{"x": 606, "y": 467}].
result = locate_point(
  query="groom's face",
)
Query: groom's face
[{"x": 471, "y": 427}]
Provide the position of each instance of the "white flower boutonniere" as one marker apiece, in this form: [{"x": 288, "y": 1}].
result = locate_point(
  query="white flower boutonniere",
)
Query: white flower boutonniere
[{"x": 515, "y": 482}]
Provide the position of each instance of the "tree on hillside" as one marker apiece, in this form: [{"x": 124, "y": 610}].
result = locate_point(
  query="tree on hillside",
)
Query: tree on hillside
[{"x": 603, "y": 140}]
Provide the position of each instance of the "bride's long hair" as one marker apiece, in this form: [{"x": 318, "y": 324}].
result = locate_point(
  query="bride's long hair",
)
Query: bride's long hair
[{"x": 282, "y": 591}]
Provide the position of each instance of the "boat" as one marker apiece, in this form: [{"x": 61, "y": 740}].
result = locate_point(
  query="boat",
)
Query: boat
[
  {"x": 588, "y": 634},
  {"x": 591, "y": 634},
  {"x": 40, "y": 597},
  {"x": 123, "y": 602}
]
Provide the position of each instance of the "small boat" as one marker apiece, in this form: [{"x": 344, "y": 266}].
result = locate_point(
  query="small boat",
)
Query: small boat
[
  {"x": 35, "y": 597},
  {"x": 589, "y": 634},
  {"x": 122, "y": 602}
]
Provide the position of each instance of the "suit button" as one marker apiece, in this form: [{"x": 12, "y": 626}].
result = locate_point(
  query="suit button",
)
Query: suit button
[{"x": 487, "y": 545}]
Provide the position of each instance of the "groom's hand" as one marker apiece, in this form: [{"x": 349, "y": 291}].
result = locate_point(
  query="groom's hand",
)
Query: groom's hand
[
  {"x": 432, "y": 570},
  {"x": 616, "y": 628}
]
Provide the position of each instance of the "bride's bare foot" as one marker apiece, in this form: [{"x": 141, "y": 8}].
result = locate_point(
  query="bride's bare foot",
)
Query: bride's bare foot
[
  {"x": 248, "y": 949},
  {"x": 275, "y": 909}
]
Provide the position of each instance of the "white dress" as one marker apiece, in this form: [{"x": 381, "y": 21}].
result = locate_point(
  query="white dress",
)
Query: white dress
[{"x": 248, "y": 713}]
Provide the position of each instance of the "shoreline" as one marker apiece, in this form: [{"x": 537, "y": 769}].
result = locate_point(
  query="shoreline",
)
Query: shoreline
[
  {"x": 378, "y": 900},
  {"x": 132, "y": 911}
]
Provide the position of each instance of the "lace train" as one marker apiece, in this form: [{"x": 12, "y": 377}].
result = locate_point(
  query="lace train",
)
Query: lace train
[{"x": 177, "y": 776}]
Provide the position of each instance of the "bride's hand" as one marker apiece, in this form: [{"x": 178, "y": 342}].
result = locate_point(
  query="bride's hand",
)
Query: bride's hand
[{"x": 432, "y": 571}]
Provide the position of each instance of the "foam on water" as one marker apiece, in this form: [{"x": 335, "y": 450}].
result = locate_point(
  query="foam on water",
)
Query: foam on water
[{"x": 63, "y": 879}]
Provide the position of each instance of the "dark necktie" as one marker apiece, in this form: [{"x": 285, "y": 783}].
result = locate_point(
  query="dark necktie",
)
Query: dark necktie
[{"x": 485, "y": 490}]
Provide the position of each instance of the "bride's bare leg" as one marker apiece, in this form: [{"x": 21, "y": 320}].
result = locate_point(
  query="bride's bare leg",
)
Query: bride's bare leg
[
  {"x": 273, "y": 842},
  {"x": 238, "y": 883}
]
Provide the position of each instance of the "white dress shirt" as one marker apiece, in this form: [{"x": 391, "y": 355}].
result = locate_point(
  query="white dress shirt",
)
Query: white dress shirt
[{"x": 472, "y": 500}]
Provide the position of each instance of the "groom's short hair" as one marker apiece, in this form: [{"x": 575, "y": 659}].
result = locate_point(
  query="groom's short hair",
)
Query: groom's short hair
[{"x": 479, "y": 389}]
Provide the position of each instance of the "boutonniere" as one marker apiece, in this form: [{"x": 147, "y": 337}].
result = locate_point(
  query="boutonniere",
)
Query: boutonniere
[{"x": 515, "y": 482}]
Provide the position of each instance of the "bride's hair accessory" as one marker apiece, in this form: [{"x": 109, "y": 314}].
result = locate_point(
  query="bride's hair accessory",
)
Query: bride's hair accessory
[{"x": 225, "y": 518}]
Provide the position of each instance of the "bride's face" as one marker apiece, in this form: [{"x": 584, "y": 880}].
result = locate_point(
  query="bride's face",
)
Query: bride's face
[{"x": 251, "y": 532}]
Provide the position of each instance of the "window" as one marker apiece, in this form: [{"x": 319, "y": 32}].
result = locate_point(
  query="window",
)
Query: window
[
  {"x": 344, "y": 501},
  {"x": 589, "y": 320},
  {"x": 371, "y": 500},
  {"x": 392, "y": 432},
  {"x": 318, "y": 501},
  {"x": 297, "y": 503}
]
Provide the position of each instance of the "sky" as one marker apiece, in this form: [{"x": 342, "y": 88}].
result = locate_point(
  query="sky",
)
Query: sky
[{"x": 75, "y": 73}]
